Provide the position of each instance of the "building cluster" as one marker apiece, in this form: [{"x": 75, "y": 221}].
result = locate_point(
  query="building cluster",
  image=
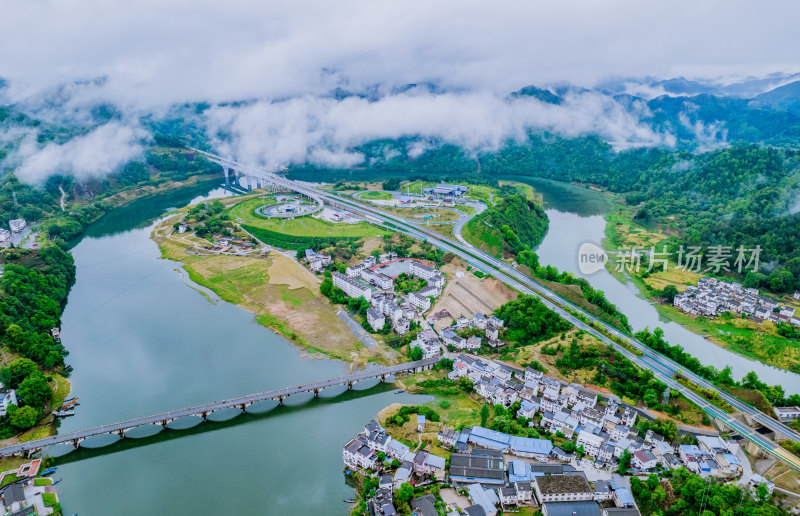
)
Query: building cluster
[
  {"x": 361, "y": 280},
  {"x": 24, "y": 495},
  {"x": 372, "y": 447},
  {"x": 445, "y": 191},
  {"x": 15, "y": 226},
  {"x": 604, "y": 429},
  {"x": 317, "y": 261},
  {"x": 490, "y": 325},
  {"x": 712, "y": 297},
  {"x": 500, "y": 472}
]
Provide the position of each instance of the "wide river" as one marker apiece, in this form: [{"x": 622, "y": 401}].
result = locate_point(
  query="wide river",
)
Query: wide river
[{"x": 142, "y": 341}]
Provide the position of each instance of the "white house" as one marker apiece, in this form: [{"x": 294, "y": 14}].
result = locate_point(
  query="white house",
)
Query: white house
[
  {"x": 375, "y": 319},
  {"x": 17, "y": 225},
  {"x": 6, "y": 399}
]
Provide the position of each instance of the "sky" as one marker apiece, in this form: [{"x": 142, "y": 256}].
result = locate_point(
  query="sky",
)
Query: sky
[{"x": 152, "y": 54}]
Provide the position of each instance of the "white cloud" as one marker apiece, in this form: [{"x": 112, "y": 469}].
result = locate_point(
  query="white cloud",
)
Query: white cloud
[
  {"x": 95, "y": 154},
  {"x": 159, "y": 52},
  {"x": 325, "y": 131}
]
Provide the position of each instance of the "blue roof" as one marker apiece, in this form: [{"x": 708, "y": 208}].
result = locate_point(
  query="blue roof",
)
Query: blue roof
[
  {"x": 519, "y": 471},
  {"x": 420, "y": 418},
  {"x": 489, "y": 438},
  {"x": 527, "y": 405},
  {"x": 731, "y": 458},
  {"x": 530, "y": 445},
  {"x": 624, "y": 496}
]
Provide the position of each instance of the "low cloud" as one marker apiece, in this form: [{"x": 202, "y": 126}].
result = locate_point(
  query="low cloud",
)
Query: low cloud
[
  {"x": 96, "y": 154},
  {"x": 327, "y": 131}
]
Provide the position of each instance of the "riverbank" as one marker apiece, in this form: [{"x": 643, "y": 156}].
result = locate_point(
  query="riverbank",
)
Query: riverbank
[
  {"x": 744, "y": 336},
  {"x": 282, "y": 294}
]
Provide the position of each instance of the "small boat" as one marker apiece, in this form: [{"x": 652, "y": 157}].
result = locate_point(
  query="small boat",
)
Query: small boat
[
  {"x": 57, "y": 481},
  {"x": 349, "y": 500},
  {"x": 63, "y": 413},
  {"x": 48, "y": 471},
  {"x": 399, "y": 392}
]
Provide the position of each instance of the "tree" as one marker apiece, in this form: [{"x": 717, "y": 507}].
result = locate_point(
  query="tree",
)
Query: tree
[
  {"x": 465, "y": 384},
  {"x": 34, "y": 391},
  {"x": 669, "y": 292},
  {"x": 624, "y": 462},
  {"x": 762, "y": 493},
  {"x": 406, "y": 492},
  {"x": 484, "y": 414},
  {"x": 23, "y": 417},
  {"x": 415, "y": 353},
  {"x": 659, "y": 494},
  {"x": 16, "y": 372},
  {"x": 652, "y": 482}
]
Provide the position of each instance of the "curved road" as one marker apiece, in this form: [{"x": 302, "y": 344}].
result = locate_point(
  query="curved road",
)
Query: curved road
[{"x": 662, "y": 367}]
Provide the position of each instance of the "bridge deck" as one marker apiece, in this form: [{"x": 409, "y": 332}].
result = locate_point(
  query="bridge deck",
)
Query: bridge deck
[{"x": 38, "y": 444}]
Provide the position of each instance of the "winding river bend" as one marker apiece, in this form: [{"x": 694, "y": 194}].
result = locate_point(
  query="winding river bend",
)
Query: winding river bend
[
  {"x": 141, "y": 341},
  {"x": 577, "y": 215}
]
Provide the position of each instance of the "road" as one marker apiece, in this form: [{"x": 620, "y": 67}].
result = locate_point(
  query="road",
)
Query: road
[
  {"x": 662, "y": 367},
  {"x": 242, "y": 401}
]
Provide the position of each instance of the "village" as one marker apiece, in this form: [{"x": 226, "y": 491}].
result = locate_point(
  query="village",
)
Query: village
[
  {"x": 484, "y": 471},
  {"x": 712, "y": 297}
]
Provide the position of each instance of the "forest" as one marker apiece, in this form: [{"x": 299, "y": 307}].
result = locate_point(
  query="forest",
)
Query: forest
[
  {"x": 742, "y": 194},
  {"x": 682, "y": 492},
  {"x": 522, "y": 222}
]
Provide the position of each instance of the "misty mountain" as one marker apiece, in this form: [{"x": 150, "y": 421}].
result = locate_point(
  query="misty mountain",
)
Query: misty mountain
[{"x": 786, "y": 98}]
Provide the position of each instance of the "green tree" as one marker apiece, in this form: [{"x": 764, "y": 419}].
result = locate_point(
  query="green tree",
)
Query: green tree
[
  {"x": 484, "y": 414},
  {"x": 406, "y": 492},
  {"x": 23, "y": 417},
  {"x": 624, "y": 462},
  {"x": 16, "y": 372},
  {"x": 34, "y": 391},
  {"x": 762, "y": 493},
  {"x": 465, "y": 384}
]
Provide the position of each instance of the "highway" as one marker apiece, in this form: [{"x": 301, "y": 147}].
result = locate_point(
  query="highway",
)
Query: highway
[{"x": 661, "y": 366}]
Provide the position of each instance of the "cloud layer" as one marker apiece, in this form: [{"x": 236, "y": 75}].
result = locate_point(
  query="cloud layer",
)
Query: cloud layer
[
  {"x": 95, "y": 154},
  {"x": 157, "y": 52},
  {"x": 325, "y": 131},
  {"x": 284, "y": 57}
]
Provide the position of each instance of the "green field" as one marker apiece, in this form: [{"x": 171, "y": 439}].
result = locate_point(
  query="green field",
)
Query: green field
[
  {"x": 375, "y": 195},
  {"x": 301, "y": 226},
  {"x": 742, "y": 336},
  {"x": 485, "y": 238}
]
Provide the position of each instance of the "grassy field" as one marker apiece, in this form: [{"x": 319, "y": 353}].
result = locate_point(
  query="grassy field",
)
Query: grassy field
[
  {"x": 459, "y": 408},
  {"x": 375, "y": 195},
  {"x": 302, "y": 226},
  {"x": 283, "y": 295},
  {"x": 482, "y": 236},
  {"x": 673, "y": 276},
  {"x": 744, "y": 336}
]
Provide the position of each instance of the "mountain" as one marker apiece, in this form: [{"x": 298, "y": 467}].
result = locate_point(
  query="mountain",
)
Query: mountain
[{"x": 784, "y": 98}]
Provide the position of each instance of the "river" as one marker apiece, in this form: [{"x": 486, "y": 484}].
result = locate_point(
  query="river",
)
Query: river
[
  {"x": 142, "y": 342},
  {"x": 577, "y": 215}
]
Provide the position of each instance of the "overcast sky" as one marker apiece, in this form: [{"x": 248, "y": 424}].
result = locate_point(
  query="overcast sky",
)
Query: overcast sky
[
  {"x": 286, "y": 55},
  {"x": 160, "y": 51}
]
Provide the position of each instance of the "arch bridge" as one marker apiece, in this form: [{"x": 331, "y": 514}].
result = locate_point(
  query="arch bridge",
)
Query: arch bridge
[{"x": 75, "y": 439}]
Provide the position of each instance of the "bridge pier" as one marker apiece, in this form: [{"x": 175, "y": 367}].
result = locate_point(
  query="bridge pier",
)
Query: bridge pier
[
  {"x": 244, "y": 406},
  {"x": 350, "y": 385},
  {"x": 316, "y": 393}
]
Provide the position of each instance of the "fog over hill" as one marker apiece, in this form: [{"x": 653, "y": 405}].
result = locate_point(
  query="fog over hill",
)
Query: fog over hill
[{"x": 283, "y": 84}]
